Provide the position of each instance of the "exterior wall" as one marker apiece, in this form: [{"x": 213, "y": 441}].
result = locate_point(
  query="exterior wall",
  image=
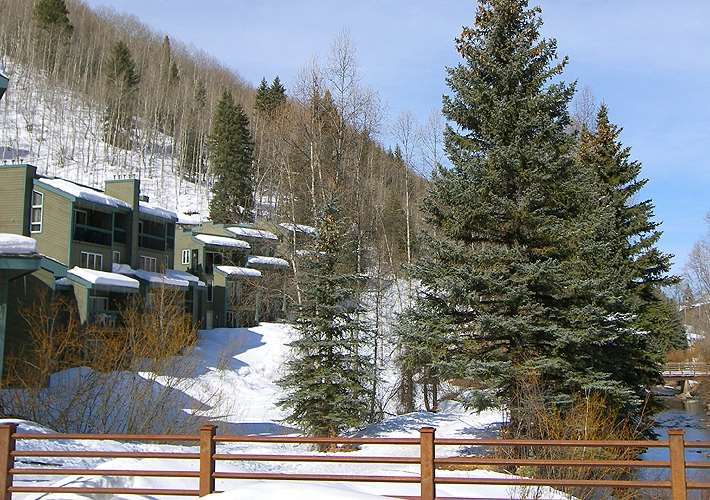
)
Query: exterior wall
[
  {"x": 23, "y": 292},
  {"x": 128, "y": 190},
  {"x": 15, "y": 193},
  {"x": 156, "y": 254},
  {"x": 219, "y": 300},
  {"x": 57, "y": 224},
  {"x": 80, "y": 246}
]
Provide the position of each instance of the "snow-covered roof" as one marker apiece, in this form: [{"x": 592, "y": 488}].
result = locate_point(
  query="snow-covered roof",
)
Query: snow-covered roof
[
  {"x": 221, "y": 241},
  {"x": 239, "y": 271},
  {"x": 259, "y": 260},
  {"x": 156, "y": 211},
  {"x": 190, "y": 219},
  {"x": 103, "y": 278},
  {"x": 249, "y": 232},
  {"x": 166, "y": 279},
  {"x": 181, "y": 275},
  {"x": 84, "y": 192},
  {"x": 15, "y": 244},
  {"x": 298, "y": 228}
]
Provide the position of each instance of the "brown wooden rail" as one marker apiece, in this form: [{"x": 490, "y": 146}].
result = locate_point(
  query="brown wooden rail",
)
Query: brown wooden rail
[{"x": 207, "y": 456}]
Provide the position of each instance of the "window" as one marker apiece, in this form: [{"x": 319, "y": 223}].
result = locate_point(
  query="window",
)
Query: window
[
  {"x": 149, "y": 264},
  {"x": 186, "y": 257},
  {"x": 209, "y": 292},
  {"x": 81, "y": 217},
  {"x": 92, "y": 261},
  {"x": 37, "y": 204},
  {"x": 116, "y": 257}
]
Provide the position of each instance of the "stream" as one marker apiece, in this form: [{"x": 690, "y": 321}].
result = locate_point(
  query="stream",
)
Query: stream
[{"x": 691, "y": 416}]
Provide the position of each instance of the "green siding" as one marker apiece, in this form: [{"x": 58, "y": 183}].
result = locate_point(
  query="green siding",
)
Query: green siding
[
  {"x": 55, "y": 238},
  {"x": 15, "y": 191}
]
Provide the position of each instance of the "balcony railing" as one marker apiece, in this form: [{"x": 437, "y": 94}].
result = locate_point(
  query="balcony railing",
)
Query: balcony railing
[{"x": 92, "y": 234}]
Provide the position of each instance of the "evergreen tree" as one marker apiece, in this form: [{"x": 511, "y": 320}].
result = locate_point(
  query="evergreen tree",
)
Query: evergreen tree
[
  {"x": 328, "y": 380},
  {"x": 645, "y": 267},
  {"x": 261, "y": 101},
  {"x": 269, "y": 98},
  {"x": 122, "y": 81},
  {"x": 515, "y": 271},
  {"x": 277, "y": 93},
  {"x": 231, "y": 156},
  {"x": 53, "y": 16}
]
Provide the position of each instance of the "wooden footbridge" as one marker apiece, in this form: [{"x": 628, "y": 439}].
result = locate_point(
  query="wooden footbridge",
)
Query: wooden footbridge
[{"x": 676, "y": 372}]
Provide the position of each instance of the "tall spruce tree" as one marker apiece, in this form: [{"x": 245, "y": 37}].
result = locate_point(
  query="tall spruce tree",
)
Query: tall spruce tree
[
  {"x": 122, "y": 81},
  {"x": 328, "y": 381},
  {"x": 645, "y": 267},
  {"x": 231, "y": 158},
  {"x": 261, "y": 101},
  {"x": 514, "y": 274}
]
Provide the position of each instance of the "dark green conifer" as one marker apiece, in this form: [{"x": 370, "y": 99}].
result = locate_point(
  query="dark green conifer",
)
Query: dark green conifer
[
  {"x": 645, "y": 267},
  {"x": 231, "y": 157},
  {"x": 261, "y": 102},
  {"x": 513, "y": 275},
  {"x": 122, "y": 81},
  {"x": 53, "y": 16},
  {"x": 328, "y": 380}
]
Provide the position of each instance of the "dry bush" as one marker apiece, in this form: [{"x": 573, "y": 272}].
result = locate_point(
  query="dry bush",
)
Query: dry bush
[
  {"x": 130, "y": 378},
  {"x": 589, "y": 417}
]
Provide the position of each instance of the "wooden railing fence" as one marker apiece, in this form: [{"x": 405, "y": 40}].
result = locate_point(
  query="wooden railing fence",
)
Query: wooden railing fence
[
  {"x": 208, "y": 456},
  {"x": 686, "y": 370}
]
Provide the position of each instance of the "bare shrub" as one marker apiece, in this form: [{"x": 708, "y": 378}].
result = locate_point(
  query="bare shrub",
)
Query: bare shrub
[
  {"x": 130, "y": 378},
  {"x": 589, "y": 417}
]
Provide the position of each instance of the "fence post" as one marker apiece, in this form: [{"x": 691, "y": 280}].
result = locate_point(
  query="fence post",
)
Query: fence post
[
  {"x": 426, "y": 458},
  {"x": 676, "y": 445},
  {"x": 207, "y": 451},
  {"x": 7, "y": 461}
]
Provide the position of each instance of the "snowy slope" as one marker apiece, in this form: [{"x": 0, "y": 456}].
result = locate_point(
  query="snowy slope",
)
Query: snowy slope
[
  {"x": 60, "y": 133},
  {"x": 245, "y": 364}
]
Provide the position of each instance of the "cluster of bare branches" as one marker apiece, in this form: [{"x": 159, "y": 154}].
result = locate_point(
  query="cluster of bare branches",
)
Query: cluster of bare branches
[{"x": 130, "y": 378}]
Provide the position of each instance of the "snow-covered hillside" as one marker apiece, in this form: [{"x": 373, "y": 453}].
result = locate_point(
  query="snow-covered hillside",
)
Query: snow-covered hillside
[
  {"x": 60, "y": 133},
  {"x": 245, "y": 364}
]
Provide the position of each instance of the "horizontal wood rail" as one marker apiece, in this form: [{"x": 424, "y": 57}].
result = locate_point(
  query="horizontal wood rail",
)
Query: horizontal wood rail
[
  {"x": 208, "y": 456},
  {"x": 686, "y": 370}
]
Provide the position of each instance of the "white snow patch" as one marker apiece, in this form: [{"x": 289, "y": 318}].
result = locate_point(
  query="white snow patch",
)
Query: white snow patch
[
  {"x": 16, "y": 244},
  {"x": 247, "y": 363},
  {"x": 103, "y": 278},
  {"x": 156, "y": 211},
  {"x": 181, "y": 275},
  {"x": 299, "y": 228},
  {"x": 153, "y": 278},
  {"x": 222, "y": 241},
  {"x": 249, "y": 232},
  {"x": 259, "y": 260},
  {"x": 278, "y": 490},
  {"x": 239, "y": 271},
  {"x": 83, "y": 192}
]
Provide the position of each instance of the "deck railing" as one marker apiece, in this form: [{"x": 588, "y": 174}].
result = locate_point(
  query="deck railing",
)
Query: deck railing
[{"x": 208, "y": 456}]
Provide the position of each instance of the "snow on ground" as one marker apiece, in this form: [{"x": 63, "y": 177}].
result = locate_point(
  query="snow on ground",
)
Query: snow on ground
[
  {"x": 246, "y": 363},
  {"x": 14, "y": 244}
]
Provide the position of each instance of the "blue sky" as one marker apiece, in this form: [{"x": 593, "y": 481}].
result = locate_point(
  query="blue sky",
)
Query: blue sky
[{"x": 649, "y": 60}]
